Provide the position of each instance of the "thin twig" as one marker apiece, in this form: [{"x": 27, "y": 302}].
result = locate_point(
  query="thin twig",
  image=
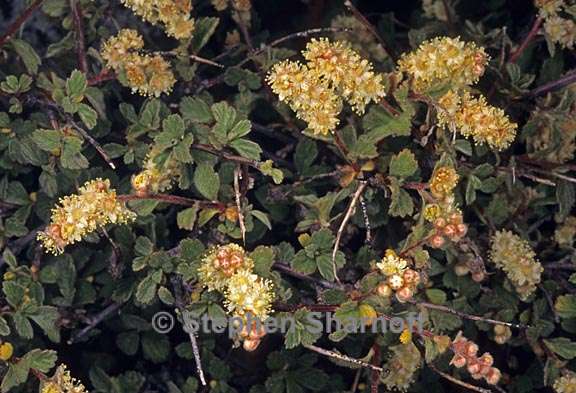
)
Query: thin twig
[
  {"x": 351, "y": 208},
  {"x": 103, "y": 76},
  {"x": 93, "y": 142},
  {"x": 564, "y": 81},
  {"x": 227, "y": 156},
  {"x": 15, "y": 26},
  {"x": 344, "y": 358},
  {"x": 531, "y": 34},
  {"x": 79, "y": 30},
  {"x": 458, "y": 382},
  {"x": 95, "y": 321},
  {"x": 461, "y": 314},
  {"x": 173, "y": 199},
  {"x": 362, "y": 19},
  {"x": 237, "y": 195}
]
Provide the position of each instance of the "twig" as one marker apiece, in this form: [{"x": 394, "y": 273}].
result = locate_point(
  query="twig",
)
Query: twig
[
  {"x": 375, "y": 376},
  {"x": 458, "y": 382},
  {"x": 173, "y": 199},
  {"x": 339, "y": 356},
  {"x": 564, "y": 81},
  {"x": 15, "y": 26},
  {"x": 95, "y": 321},
  {"x": 323, "y": 283},
  {"x": 103, "y": 76},
  {"x": 205, "y": 61},
  {"x": 351, "y": 208},
  {"x": 79, "y": 30},
  {"x": 227, "y": 156},
  {"x": 362, "y": 19},
  {"x": 461, "y": 314},
  {"x": 239, "y": 203},
  {"x": 93, "y": 142},
  {"x": 531, "y": 34}
]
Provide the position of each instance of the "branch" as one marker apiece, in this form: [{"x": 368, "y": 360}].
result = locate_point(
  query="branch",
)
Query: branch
[
  {"x": 566, "y": 80},
  {"x": 531, "y": 34},
  {"x": 173, "y": 199},
  {"x": 341, "y": 357},
  {"x": 79, "y": 29},
  {"x": 92, "y": 141},
  {"x": 95, "y": 321},
  {"x": 227, "y": 156},
  {"x": 458, "y": 382},
  {"x": 13, "y": 28}
]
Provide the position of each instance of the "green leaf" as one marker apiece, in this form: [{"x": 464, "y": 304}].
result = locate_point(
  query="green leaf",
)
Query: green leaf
[
  {"x": 146, "y": 290},
  {"x": 88, "y": 116},
  {"x": 225, "y": 116},
  {"x": 207, "y": 181},
  {"x": 303, "y": 263},
  {"x": 195, "y": 110},
  {"x": 71, "y": 157},
  {"x": 187, "y": 217},
  {"x": 76, "y": 85},
  {"x": 436, "y": 296},
  {"x": 402, "y": 204},
  {"x": 47, "y": 140},
  {"x": 28, "y": 55},
  {"x": 562, "y": 346},
  {"x": 16, "y": 375},
  {"x": 566, "y": 197},
  {"x": 472, "y": 185},
  {"x": 565, "y": 306},
  {"x": 403, "y": 164},
  {"x": 4, "y": 327},
  {"x": 247, "y": 149},
  {"x": 156, "y": 347},
  {"x": 262, "y": 217},
  {"x": 325, "y": 265},
  {"x": 41, "y": 360},
  {"x": 9, "y": 258},
  {"x": 240, "y": 129},
  {"x": 263, "y": 257},
  {"x": 23, "y": 326},
  {"x": 203, "y": 30}
]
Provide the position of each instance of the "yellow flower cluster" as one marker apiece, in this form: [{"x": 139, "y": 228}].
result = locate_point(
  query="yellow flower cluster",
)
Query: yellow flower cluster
[
  {"x": 247, "y": 293},
  {"x": 95, "y": 206},
  {"x": 62, "y": 382},
  {"x": 173, "y": 14},
  {"x": 359, "y": 37},
  {"x": 400, "y": 279},
  {"x": 402, "y": 366},
  {"x": 558, "y": 29},
  {"x": 547, "y": 8},
  {"x": 466, "y": 354},
  {"x": 443, "y": 182},
  {"x": 474, "y": 117},
  {"x": 6, "y": 351},
  {"x": 315, "y": 90},
  {"x": 148, "y": 75},
  {"x": 444, "y": 61},
  {"x": 566, "y": 383},
  {"x": 515, "y": 256},
  {"x": 153, "y": 179},
  {"x": 221, "y": 264}
]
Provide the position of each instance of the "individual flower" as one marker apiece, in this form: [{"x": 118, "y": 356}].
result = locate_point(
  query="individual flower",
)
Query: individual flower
[
  {"x": 402, "y": 366},
  {"x": 475, "y": 118},
  {"x": 566, "y": 383},
  {"x": 247, "y": 293},
  {"x": 116, "y": 48},
  {"x": 359, "y": 37},
  {"x": 62, "y": 382},
  {"x": 221, "y": 264},
  {"x": 561, "y": 31},
  {"x": 444, "y": 61},
  {"x": 466, "y": 354},
  {"x": 308, "y": 95},
  {"x": 6, "y": 351},
  {"x": 95, "y": 206},
  {"x": 502, "y": 334},
  {"x": 443, "y": 182},
  {"x": 515, "y": 256},
  {"x": 173, "y": 14},
  {"x": 347, "y": 72},
  {"x": 405, "y": 336}
]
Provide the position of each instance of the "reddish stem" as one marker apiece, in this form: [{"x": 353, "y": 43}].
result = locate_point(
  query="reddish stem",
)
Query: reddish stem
[
  {"x": 103, "y": 76},
  {"x": 78, "y": 27},
  {"x": 531, "y": 34},
  {"x": 13, "y": 28}
]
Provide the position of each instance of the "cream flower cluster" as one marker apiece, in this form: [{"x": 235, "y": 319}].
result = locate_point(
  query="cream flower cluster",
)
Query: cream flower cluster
[
  {"x": 473, "y": 117},
  {"x": 153, "y": 179},
  {"x": 62, "y": 382},
  {"x": 173, "y": 14},
  {"x": 95, "y": 206},
  {"x": 400, "y": 279},
  {"x": 566, "y": 383},
  {"x": 402, "y": 366},
  {"x": 444, "y": 61},
  {"x": 146, "y": 74},
  {"x": 315, "y": 90},
  {"x": 559, "y": 29},
  {"x": 515, "y": 256},
  {"x": 221, "y": 264}
]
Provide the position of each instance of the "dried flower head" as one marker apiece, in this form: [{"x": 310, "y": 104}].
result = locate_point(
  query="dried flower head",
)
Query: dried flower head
[
  {"x": 221, "y": 264},
  {"x": 173, "y": 14},
  {"x": 548, "y": 8},
  {"x": 402, "y": 366},
  {"x": 561, "y": 31},
  {"x": 475, "y": 118},
  {"x": 347, "y": 72},
  {"x": 566, "y": 383},
  {"x": 515, "y": 256},
  {"x": 247, "y": 293},
  {"x": 307, "y": 94},
  {"x": 95, "y": 206},
  {"x": 62, "y": 382},
  {"x": 443, "y": 182},
  {"x": 444, "y": 61}
]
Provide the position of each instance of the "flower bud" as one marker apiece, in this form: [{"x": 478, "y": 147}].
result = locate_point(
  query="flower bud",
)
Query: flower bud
[
  {"x": 458, "y": 361},
  {"x": 384, "y": 290},
  {"x": 478, "y": 276},
  {"x": 437, "y": 241},
  {"x": 250, "y": 344},
  {"x": 404, "y": 294}
]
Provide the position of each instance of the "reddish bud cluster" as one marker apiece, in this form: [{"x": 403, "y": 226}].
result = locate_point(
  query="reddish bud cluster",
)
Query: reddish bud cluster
[
  {"x": 452, "y": 229},
  {"x": 229, "y": 260},
  {"x": 466, "y": 354}
]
